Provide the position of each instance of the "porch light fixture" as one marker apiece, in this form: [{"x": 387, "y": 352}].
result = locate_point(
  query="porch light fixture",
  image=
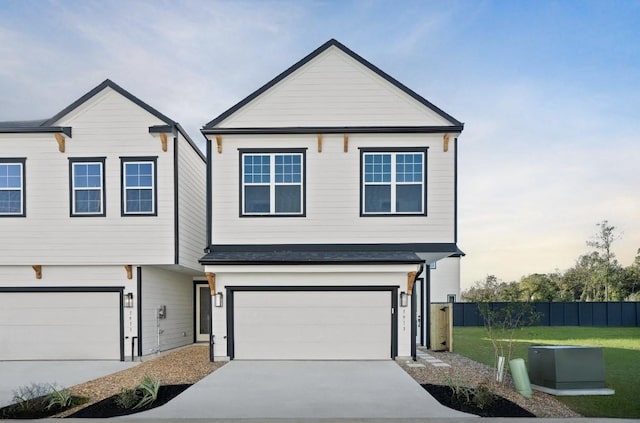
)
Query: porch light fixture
[
  {"x": 128, "y": 300},
  {"x": 217, "y": 299},
  {"x": 404, "y": 299}
]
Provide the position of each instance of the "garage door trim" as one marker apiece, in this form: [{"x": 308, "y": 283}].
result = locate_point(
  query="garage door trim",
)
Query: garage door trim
[
  {"x": 44, "y": 289},
  {"x": 230, "y": 290}
]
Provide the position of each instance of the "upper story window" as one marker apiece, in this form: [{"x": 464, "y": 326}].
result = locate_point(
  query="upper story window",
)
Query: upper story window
[
  {"x": 139, "y": 196},
  {"x": 273, "y": 182},
  {"x": 12, "y": 187},
  {"x": 87, "y": 186},
  {"x": 393, "y": 181}
]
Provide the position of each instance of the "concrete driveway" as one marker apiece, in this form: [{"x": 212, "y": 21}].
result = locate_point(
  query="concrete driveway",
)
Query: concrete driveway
[
  {"x": 304, "y": 389},
  {"x": 14, "y": 374}
]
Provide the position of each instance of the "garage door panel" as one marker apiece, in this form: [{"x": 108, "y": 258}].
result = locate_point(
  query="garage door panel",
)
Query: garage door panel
[
  {"x": 312, "y": 324},
  {"x": 60, "y": 325}
]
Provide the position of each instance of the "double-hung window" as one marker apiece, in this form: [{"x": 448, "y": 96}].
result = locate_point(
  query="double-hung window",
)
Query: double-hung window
[
  {"x": 273, "y": 182},
  {"x": 139, "y": 196},
  {"x": 393, "y": 182},
  {"x": 87, "y": 186},
  {"x": 12, "y": 187}
]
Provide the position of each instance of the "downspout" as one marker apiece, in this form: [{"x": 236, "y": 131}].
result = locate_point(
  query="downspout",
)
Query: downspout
[
  {"x": 413, "y": 317},
  {"x": 427, "y": 291}
]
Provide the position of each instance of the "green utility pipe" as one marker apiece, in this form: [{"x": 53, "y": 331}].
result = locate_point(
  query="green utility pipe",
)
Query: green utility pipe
[{"x": 520, "y": 377}]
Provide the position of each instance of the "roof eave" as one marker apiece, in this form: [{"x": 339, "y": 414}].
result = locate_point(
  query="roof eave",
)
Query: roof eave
[
  {"x": 38, "y": 130},
  {"x": 336, "y": 130}
]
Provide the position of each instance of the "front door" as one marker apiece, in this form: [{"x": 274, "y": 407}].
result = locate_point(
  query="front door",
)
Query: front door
[{"x": 203, "y": 312}]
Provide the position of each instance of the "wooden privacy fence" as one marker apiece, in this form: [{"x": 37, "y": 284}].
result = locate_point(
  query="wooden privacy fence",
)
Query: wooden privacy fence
[{"x": 561, "y": 313}]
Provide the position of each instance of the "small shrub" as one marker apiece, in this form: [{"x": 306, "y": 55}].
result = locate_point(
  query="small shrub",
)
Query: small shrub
[
  {"x": 30, "y": 397},
  {"x": 140, "y": 396},
  {"x": 127, "y": 398},
  {"x": 483, "y": 396},
  {"x": 148, "y": 390},
  {"x": 59, "y": 398}
]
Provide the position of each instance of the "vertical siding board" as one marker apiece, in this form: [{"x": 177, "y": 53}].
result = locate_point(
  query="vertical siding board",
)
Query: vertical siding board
[
  {"x": 614, "y": 314},
  {"x": 599, "y": 314},
  {"x": 628, "y": 314},
  {"x": 571, "y": 315}
]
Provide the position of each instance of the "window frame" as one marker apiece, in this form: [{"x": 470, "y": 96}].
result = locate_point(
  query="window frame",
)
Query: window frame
[
  {"x": 23, "y": 185},
  {"x": 123, "y": 188},
  {"x": 272, "y": 152},
  {"x": 72, "y": 190},
  {"x": 393, "y": 184}
]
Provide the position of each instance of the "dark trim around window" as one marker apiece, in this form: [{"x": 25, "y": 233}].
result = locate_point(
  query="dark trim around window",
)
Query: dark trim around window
[
  {"x": 23, "y": 200},
  {"x": 128, "y": 159},
  {"x": 363, "y": 150},
  {"x": 101, "y": 160},
  {"x": 302, "y": 151}
]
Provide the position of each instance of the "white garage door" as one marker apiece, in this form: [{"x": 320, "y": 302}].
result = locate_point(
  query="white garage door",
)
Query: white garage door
[
  {"x": 59, "y": 325},
  {"x": 312, "y": 325}
]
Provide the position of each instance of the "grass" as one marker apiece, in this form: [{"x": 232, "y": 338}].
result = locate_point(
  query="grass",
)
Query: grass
[{"x": 621, "y": 348}]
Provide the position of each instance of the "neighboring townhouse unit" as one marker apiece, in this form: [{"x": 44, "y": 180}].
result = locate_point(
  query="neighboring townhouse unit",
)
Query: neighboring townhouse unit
[
  {"x": 102, "y": 217},
  {"x": 331, "y": 190}
]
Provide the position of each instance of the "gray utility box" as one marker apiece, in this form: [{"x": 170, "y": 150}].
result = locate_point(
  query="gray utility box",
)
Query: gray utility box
[{"x": 566, "y": 367}]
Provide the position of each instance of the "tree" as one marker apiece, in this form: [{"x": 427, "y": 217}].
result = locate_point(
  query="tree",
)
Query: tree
[
  {"x": 602, "y": 242},
  {"x": 539, "y": 287},
  {"x": 483, "y": 291}
]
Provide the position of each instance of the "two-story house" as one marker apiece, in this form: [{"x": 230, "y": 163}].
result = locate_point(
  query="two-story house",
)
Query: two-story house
[
  {"x": 101, "y": 222},
  {"x": 331, "y": 191}
]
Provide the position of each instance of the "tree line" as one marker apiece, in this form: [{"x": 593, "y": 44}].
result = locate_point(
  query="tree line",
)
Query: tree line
[{"x": 596, "y": 276}]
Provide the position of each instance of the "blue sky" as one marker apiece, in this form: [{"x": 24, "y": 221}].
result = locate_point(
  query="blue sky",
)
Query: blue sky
[{"x": 549, "y": 92}]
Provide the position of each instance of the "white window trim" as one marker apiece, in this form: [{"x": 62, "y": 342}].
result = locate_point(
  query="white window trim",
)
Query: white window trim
[
  {"x": 125, "y": 188},
  {"x": 21, "y": 189},
  {"x": 393, "y": 183},
  {"x": 272, "y": 184},
  {"x": 75, "y": 189}
]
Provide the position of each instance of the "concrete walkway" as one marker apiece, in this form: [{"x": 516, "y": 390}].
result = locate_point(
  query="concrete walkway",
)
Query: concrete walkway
[
  {"x": 16, "y": 374},
  {"x": 304, "y": 389}
]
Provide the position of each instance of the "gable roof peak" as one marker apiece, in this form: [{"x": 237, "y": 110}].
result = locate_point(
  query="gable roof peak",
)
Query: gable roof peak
[
  {"x": 332, "y": 43},
  {"x": 107, "y": 83}
]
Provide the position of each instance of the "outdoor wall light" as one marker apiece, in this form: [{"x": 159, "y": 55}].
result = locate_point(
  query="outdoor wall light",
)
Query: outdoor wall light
[
  {"x": 404, "y": 299},
  {"x": 128, "y": 300},
  {"x": 217, "y": 299}
]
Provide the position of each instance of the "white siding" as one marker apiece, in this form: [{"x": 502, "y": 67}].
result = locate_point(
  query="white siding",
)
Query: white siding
[
  {"x": 192, "y": 194},
  {"x": 333, "y": 194},
  {"x": 111, "y": 126},
  {"x": 175, "y": 291},
  {"x": 333, "y": 90},
  {"x": 445, "y": 279}
]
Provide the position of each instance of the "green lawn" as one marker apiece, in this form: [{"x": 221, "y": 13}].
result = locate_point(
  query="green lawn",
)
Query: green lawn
[{"x": 621, "y": 348}]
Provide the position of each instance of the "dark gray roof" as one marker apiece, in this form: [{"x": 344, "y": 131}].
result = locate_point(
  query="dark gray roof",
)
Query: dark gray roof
[
  {"x": 311, "y": 257},
  {"x": 455, "y": 123},
  {"x": 22, "y": 123}
]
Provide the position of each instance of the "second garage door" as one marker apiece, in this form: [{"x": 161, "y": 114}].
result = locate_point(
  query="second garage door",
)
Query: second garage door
[{"x": 312, "y": 325}]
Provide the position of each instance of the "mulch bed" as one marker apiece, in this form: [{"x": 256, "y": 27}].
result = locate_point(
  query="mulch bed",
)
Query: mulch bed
[
  {"x": 108, "y": 407},
  {"x": 37, "y": 409},
  {"x": 499, "y": 407}
]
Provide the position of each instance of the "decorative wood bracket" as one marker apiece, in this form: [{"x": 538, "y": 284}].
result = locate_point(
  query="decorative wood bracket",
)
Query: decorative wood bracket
[
  {"x": 346, "y": 143},
  {"x": 411, "y": 280},
  {"x": 60, "y": 138},
  {"x": 163, "y": 140},
  {"x": 219, "y": 142},
  {"x": 38, "y": 269},
  {"x": 211, "y": 278},
  {"x": 319, "y": 143},
  {"x": 445, "y": 145},
  {"x": 129, "y": 270}
]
